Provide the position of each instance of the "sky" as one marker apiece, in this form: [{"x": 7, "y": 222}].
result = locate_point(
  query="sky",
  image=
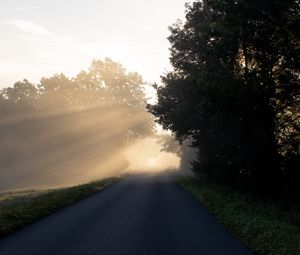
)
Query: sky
[{"x": 40, "y": 38}]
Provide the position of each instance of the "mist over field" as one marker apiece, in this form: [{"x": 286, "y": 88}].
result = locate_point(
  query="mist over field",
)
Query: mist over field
[{"x": 67, "y": 131}]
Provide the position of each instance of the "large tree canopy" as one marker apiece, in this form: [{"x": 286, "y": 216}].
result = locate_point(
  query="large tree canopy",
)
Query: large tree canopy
[
  {"x": 106, "y": 85},
  {"x": 235, "y": 90},
  {"x": 68, "y": 130}
]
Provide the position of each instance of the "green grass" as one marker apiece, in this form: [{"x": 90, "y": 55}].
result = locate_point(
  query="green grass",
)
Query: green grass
[
  {"x": 18, "y": 209},
  {"x": 265, "y": 227}
]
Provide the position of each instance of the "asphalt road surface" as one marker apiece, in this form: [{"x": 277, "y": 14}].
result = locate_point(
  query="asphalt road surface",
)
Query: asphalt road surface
[{"x": 142, "y": 214}]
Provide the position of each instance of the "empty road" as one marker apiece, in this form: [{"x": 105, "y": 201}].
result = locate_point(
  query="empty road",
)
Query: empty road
[{"x": 142, "y": 214}]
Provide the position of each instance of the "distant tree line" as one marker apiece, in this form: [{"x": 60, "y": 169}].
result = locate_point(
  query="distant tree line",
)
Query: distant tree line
[
  {"x": 63, "y": 129},
  {"x": 105, "y": 84},
  {"x": 234, "y": 91}
]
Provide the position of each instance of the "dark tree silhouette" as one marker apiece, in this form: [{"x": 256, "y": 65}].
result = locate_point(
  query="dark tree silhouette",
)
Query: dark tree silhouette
[{"x": 235, "y": 91}]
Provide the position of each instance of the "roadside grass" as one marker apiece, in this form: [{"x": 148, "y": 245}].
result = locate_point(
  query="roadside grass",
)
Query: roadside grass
[
  {"x": 265, "y": 227},
  {"x": 20, "y": 208}
]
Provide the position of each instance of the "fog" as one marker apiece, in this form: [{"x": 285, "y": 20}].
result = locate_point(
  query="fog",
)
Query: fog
[
  {"x": 67, "y": 148},
  {"x": 67, "y": 131},
  {"x": 146, "y": 155}
]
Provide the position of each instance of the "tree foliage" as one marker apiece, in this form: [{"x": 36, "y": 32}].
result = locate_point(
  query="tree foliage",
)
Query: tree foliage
[
  {"x": 61, "y": 130},
  {"x": 106, "y": 85},
  {"x": 235, "y": 91}
]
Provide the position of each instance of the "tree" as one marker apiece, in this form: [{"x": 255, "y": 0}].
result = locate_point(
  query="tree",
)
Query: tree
[
  {"x": 57, "y": 92},
  {"x": 69, "y": 130},
  {"x": 108, "y": 84},
  {"x": 236, "y": 71},
  {"x": 23, "y": 93}
]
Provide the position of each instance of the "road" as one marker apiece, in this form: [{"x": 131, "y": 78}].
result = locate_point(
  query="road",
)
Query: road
[{"x": 142, "y": 214}]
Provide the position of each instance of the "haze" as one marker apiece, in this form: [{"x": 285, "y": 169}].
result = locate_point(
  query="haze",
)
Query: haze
[
  {"x": 52, "y": 44},
  {"x": 65, "y": 131}
]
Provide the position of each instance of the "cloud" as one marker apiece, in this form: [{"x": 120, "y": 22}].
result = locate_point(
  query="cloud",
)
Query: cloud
[
  {"x": 26, "y": 8},
  {"x": 30, "y": 50},
  {"x": 29, "y": 27}
]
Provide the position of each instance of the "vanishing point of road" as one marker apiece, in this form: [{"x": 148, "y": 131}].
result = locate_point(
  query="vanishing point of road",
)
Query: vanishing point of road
[{"x": 142, "y": 214}]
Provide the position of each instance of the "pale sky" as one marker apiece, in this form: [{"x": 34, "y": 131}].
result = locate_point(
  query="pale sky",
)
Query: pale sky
[{"x": 39, "y": 38}]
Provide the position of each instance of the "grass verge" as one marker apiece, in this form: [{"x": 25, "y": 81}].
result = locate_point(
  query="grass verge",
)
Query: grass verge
[
  {"x": 18, "y": 209},
  {"x": 265, "y": 227}
]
